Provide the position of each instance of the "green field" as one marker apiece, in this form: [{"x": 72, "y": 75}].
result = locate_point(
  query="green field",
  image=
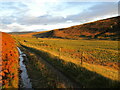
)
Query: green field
[
  {"x": 103, "y": 51},
  {"x": 98, "y": 58}
]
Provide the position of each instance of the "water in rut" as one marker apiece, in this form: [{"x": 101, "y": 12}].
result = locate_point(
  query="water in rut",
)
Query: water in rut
[{"x": 24, "y": 76}]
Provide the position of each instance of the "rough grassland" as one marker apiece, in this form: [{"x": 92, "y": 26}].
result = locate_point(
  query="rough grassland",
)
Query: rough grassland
[{"x": 98, "y": 56}]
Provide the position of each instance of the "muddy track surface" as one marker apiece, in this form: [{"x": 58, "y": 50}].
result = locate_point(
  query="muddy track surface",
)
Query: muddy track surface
[{"x": 67, "y": 81}]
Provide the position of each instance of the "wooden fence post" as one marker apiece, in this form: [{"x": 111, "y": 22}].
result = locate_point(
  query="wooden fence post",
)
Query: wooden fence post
[{"x": 82, "y": 58}]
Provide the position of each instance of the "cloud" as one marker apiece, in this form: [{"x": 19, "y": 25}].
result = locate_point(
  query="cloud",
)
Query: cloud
[
  {"x": 10, "y": 11},
  {"x": 35, "y": 15},
  {"x": 63, "y": 0},
  {"x": 46, "y": 19},
  {"x": 52, "y": 14},
  {"x": 98, "y": 11},
  {"x": 11, "y": 27},
  {"x": 15, "y": 27},
  {"x": 12, "y": 8}
]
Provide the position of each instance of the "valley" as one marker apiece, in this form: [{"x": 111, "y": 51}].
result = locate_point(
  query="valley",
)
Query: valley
[{"x": 82, "y": 56}]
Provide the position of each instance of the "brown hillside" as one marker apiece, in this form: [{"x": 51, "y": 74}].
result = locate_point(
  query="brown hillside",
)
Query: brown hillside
[{"x": 102, "y": 29}]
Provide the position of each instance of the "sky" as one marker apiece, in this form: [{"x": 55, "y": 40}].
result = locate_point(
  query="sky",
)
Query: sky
[{"x": 36, "y": 15}]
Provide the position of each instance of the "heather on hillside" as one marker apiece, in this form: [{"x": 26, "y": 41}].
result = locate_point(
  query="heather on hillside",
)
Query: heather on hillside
[{"x": 107, "y": 29}]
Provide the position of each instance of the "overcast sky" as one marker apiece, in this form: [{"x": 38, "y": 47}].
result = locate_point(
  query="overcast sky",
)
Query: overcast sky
[{"x": 36, "y": 15}]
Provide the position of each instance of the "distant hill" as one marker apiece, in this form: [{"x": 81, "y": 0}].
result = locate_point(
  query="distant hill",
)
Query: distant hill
[
  {"x": 17, "y": 33},
  {"x": 107, "y": 29},
  {"x": 31, "y": 34}
]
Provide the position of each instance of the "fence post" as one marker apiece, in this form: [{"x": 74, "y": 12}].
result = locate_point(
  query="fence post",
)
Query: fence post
[
  {"x": 59, "y": 52},
  {"x": 82, "y": 58}
]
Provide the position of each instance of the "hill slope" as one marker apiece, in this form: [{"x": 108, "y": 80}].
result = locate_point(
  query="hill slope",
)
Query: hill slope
[{"x": 102, "y": 29}]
